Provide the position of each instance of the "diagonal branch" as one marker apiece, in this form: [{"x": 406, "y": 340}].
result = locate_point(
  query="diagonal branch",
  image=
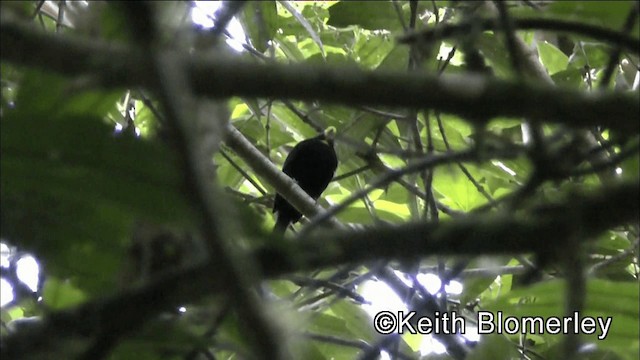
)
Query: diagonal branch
[
  {"x": 283, "y": 184},
  {"x": 541, "y": 228}
]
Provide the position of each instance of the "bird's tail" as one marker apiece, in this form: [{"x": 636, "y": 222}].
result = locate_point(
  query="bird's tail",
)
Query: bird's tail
[{"x": 281, "y": 225}]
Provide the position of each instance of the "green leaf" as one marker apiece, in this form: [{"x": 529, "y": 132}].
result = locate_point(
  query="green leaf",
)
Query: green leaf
[
  {"x": 391, "y": 211},
  {"x": 307, "y": 26},
  {"x": 493, "y": 347},
  {"x": 79, "y": 157},
  {"x": 456, "y": 190},
  {"x": 611, "y": 14},
  {"x": 396, "y": 59},
  {"x": 356, "y": 320},
  {"x": 370, "y": 15},
  {"x": 157, "y": 339},
  {"x": 259, "y": 20},
  {"x": 474, "y": 287},
  {"x": 630, "y": 168},
  {"x": 371, "y": 50},
  {"x": 58, "y": 294},
  {"x": 326, "y": 323},
  {"x": 571, "y": 77},
  {"x": 492, "y": 47},
  {"x": 552, "y": 58},
  {"x": 47, "y": 95},
  {"x": 71, "y": 190},
  {"x": 595, "y": 55},
  {"x": 547, "y": 299},
  {"x": 289, "y": 48}
]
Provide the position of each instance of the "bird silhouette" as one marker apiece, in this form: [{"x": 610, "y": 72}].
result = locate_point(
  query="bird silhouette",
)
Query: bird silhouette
[{"x": 311, "y": 163}]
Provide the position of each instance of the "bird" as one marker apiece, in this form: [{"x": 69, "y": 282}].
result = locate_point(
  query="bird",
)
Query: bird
[{"x": 312, "y": 164}]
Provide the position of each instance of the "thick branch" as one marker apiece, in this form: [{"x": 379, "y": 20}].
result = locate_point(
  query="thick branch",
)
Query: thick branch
[
  {"x": 540, "y": 229},
  {"x": 470, "y": 96}
]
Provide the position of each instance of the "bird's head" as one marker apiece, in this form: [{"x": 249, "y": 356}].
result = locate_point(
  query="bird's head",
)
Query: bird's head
[{"x": 329, "y": 135}]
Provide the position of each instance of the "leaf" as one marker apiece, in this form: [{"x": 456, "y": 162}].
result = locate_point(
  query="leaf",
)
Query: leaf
[
  {"x": 157, "y": 339},
  {"x": 456, "y": 189},
  {"x": 391, "y": 211},
  {"x": 492, "y": 47},
  {"x": 327, "y": 323},
  {"x": 552, "y": 58},
  {"x": 372, "y": 50},
  {"x": 396, "y": 59},
  {"x": 79, "y": 157},
  {"x": 356, "y": 320},
  {"x": 480, "y": 287},
  {"x": 611, "y": 14},
  {"x": 289, "y": 48},
  {"x": 595, "y": 55},
  {"x": 307, "y": 26},
  {"x": 370, "y": 15},
  {"x": 547, "y": 300},
  {"x": 71, "y": 189},
  {"x": 61, "y": 294},
  {"x": 46, "y": 95},
  {"x": 493, "y": 346},
  {"x": 571, "y": 77},
  {"x": 260, "y": 21}
]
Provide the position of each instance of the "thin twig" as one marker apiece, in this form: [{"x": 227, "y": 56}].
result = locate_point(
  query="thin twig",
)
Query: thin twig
[
  {"x": 382, "y": 181},
  {"x": 615, "y": 258},
  {"x": 243, "y": 173}
]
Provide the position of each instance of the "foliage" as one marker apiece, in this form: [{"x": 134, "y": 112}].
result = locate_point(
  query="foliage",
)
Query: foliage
[{"x": 113, "y": 215}]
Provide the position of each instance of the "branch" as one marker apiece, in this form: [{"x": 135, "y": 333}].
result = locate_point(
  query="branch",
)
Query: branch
[
  {"x": 283, "y": 184},
  {"x": 195, "y": 142},
  {"x": 538, "y": 229},
  {"x": 383, "y": 180},
  {"x": 470, "y": 96},
  {"x": 542, "y": 229},
  {"x": 447, "y": 31}
]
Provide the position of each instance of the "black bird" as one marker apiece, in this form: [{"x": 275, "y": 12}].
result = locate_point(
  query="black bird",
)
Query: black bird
[{"x": 311, "y": 164}]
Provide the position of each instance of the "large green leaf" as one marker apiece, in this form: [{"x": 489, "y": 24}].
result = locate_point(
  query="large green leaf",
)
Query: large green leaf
[
  {"x": 552, "y": 58},
  {"x": 260, "y": 21},
  {"x": 370, "y": 15},
  {"x": 547, "y": 300},
  {"x": 71, "y": 188},
  {"x": 611, "y": 14}
]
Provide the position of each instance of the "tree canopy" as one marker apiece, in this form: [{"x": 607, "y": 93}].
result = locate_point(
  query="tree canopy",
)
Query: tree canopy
[{"x": 488, "y": 165}]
